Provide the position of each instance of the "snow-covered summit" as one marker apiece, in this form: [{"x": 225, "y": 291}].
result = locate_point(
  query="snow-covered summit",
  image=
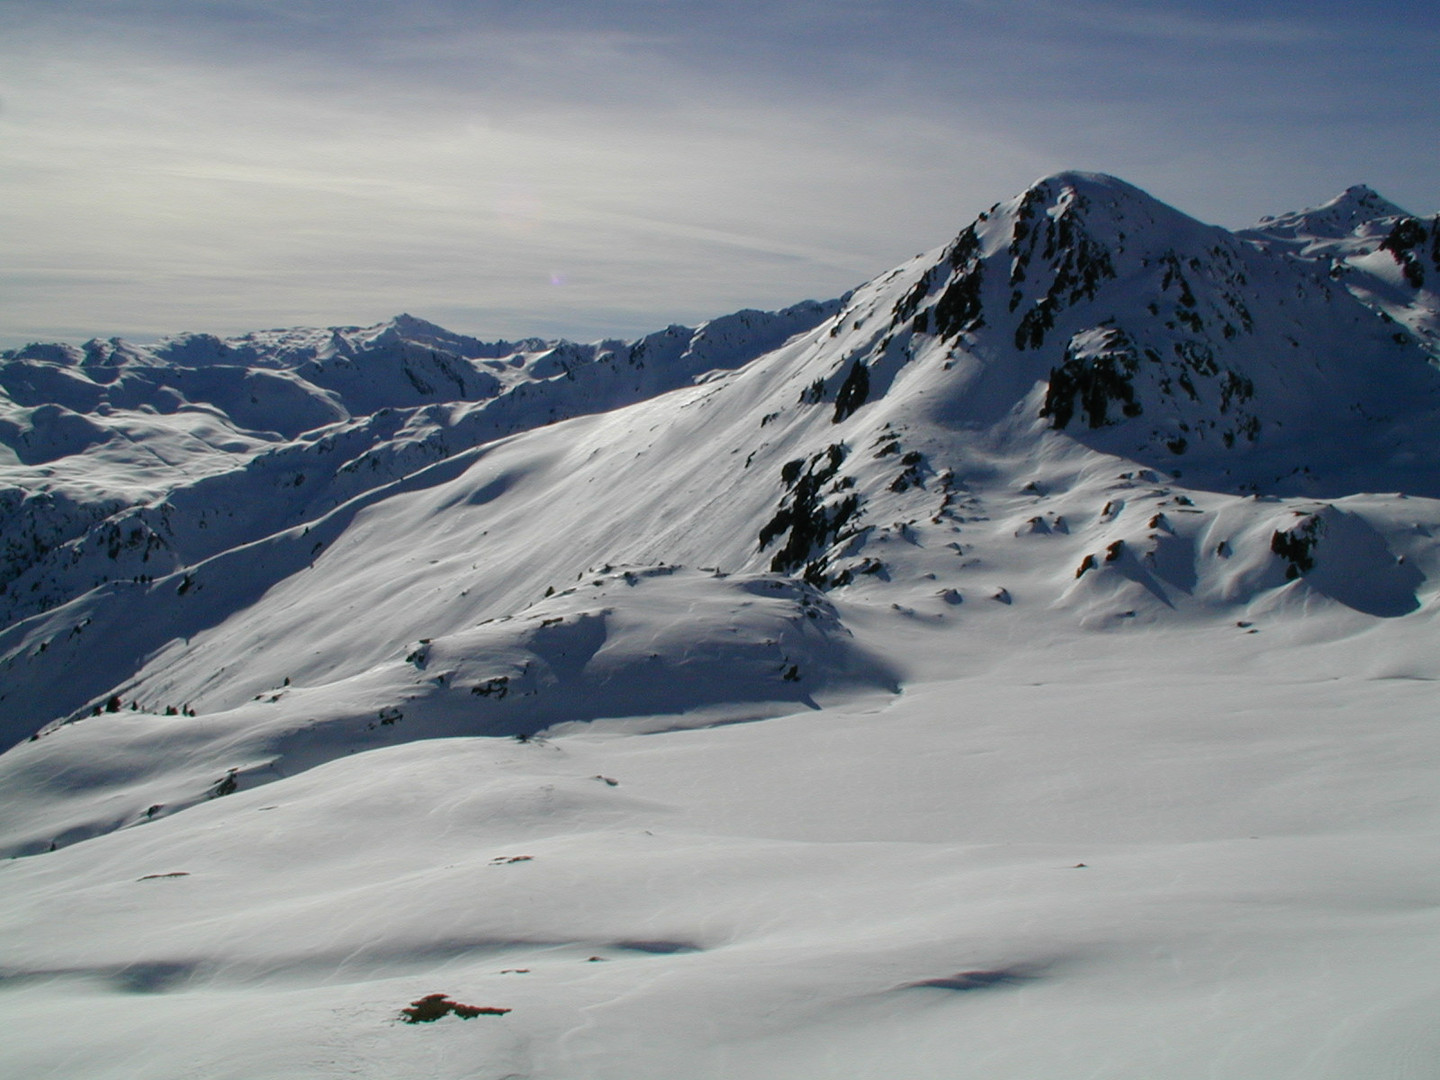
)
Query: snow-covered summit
[
  {"x": 1143, "y": 331},
  {"x": 1339, "y": 218}
]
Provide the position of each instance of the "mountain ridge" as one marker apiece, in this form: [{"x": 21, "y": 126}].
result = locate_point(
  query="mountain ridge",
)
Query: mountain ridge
[{"x": 1082, "y": 317}]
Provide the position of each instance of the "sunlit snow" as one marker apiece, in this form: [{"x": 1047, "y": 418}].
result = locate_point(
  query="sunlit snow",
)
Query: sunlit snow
[{"x": 1021, "y": 666}]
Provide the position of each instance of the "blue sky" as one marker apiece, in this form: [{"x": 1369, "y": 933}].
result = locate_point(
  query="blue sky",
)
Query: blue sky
[{"x": 605, "y": 168}]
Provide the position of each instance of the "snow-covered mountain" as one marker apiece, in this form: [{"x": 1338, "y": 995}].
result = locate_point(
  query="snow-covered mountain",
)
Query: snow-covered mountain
[
  {"x": 1037, "y": 489},
  {"x": 1384, "y": 256}
]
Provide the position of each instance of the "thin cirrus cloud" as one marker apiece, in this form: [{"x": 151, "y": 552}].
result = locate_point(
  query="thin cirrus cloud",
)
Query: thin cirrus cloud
[{"x": 606, "y": 168}]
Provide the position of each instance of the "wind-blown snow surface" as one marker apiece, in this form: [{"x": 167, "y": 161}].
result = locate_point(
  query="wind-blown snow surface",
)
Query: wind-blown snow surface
[{"x": 1020, "y": 667}]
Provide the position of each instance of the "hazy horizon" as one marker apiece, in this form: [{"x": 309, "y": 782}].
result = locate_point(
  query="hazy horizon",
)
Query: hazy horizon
[{"x": 606, "y": 169}]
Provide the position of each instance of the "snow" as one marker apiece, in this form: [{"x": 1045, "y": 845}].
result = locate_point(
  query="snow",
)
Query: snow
[
  {"x": 1059, "y": 752},
  {"x": 1257, "y": 891}
]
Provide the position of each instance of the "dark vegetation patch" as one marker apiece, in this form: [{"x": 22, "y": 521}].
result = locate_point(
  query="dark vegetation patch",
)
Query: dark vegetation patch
[{"x": 432, "y": 1007}]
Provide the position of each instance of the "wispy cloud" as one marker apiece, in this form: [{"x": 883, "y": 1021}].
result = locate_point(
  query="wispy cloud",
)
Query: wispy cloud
[
  {"x": 1189, "y": 23},
  {"x": 612, "y": 166}
]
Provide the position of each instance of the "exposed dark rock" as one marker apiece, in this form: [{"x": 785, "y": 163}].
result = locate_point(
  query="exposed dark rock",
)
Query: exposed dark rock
[
  {"x": 913, "y": 474},
  {"x": 1296, "y": 546},
  {"x": 814, "y": 393},
  {"x": 960, "y": 308},
  {"x": 1078, "y": 261},
  {"x": 1094, "y": 382},
  {"x": 807, "y": 521},
  {"x": 1407, "y": 235},
  {"x": 226, "y": 786},
  {"x": 497, "y": 688},
  {"x": 854, "y": 391}
]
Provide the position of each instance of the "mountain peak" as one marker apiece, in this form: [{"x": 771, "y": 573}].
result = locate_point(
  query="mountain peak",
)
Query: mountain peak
[
  {"x": 1087, "y": 182},
  {"x": 1342, "y": 216},
  {"x": 1163, "y": 336},
  {"x": 1363, "y": 203},
  {"x": 1108, "y": 210},
  {"x": 1073, "y": 187},
  {"x": 412, "y": 324},
  {"x": 410, "y": 328}
]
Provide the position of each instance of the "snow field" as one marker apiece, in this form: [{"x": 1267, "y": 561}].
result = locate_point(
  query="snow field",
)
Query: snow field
[{"x": 764, "y": 895}]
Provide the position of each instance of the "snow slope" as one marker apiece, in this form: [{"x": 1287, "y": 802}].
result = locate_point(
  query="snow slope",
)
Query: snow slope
[
  {"x": 119, "y": 455},
  {"x": 1018, "y": 667}
]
